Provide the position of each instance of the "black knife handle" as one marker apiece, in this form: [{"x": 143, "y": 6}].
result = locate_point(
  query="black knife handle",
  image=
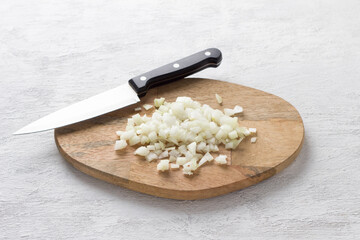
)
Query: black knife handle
[{"x": 176, "y": 70}]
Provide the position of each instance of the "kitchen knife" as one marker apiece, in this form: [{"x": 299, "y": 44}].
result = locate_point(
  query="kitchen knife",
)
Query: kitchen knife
[{"x": 127, "y": 93}]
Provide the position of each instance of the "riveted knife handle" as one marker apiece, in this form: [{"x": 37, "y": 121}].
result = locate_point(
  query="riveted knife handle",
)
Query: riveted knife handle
[{"x": 176, "y": 70}]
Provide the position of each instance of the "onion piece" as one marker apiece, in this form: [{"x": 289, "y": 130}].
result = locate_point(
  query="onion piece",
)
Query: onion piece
[
  {"x": 138, "y": 109},
  {"x": 208, "y": 157},
  {"x": 150, "y": 147},
  {"x": 120, "y": 144},
  {"x": 174, "y": 166},
  {"x": 192, "y": 148},
  {"x": 218, "y": 98},
  {"x": 243, "y": 131},
  {"x": 187, "y": 172},
  {"x": 189, "y": 167},
  {"x": 134, "y": 140},
  {"x": 201, "y": 147},
  {"x": 151, "y": 156},
  {"x": 236, "y": 142},
  {"x": 253, "y": 139},
  {"x": 127, "y": 135},
  {"x": 158, "y": 102},
  {"x": 158, "y": 152},
  {"x": 182, "y": 149},
  {"x": 142, "y": 151},
  {"x": 238, "y": 109},
  {"x": 174, "y": 153},
  {"x": 147, "y": 106},
  {"x": 221, "y": 159},
  {"x": 164, "y": 154},
  {"x": 252, "y": 130},
  {"x": 137, "y": 119},
  {"x": 181, "y": 160},
  {"x": 233, "y": 134},
  {"x": 229, "y": 112},
  {"x": 229, "y": 145},
  {"x": 172, "y": 159},
  {"x": 202, "y": 161},
  {"x": 152, "y": 136},
  {"x": 119, "y": 133},
  {"x": 163, "y": 165},
  {"x": 213, "y": 148},
  {"x": 144, "y": 140}
]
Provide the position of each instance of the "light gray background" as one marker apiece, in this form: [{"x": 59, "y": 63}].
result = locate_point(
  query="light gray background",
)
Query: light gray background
[{"x": 53, "y": 53}]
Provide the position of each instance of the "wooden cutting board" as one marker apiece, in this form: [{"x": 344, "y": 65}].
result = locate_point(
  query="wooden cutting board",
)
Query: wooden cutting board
[{"x": 89, "y": 145}]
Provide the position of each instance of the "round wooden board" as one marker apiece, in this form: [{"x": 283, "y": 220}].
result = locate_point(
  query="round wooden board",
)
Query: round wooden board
[{"x": 89, "y": 145}]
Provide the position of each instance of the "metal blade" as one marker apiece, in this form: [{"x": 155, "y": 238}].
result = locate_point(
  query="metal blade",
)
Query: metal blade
[{"x": 105, "y": 102}]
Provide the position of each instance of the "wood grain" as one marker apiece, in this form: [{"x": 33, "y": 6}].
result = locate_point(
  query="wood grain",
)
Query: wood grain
[{"x": 88, "y": 145}]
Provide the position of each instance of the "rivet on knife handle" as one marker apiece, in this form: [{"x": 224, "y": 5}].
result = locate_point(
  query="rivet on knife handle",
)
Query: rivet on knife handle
[{"x": 176, "y": 70}]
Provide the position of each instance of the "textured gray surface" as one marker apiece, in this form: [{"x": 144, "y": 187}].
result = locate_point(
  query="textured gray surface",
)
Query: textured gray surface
[{"x": 53, "y": 53}]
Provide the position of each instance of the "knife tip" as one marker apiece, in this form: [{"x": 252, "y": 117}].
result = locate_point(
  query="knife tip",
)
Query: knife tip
[
  {"x": 25, "y": 130},
  {"x": 19, "y": 132}
]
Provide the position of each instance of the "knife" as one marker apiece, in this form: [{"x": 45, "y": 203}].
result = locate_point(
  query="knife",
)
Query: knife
[{"x": 126, "y": 94}]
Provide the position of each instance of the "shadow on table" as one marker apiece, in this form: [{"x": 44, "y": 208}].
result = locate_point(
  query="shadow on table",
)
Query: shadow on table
[{"x": 250, "y": 195}]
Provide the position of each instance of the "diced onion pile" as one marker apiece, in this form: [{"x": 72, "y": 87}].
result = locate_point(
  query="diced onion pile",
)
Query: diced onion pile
[{"x": 183, "y": 133}]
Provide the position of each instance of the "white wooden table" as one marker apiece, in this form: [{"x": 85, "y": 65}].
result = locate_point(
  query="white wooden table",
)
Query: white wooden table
[{"x": 53, "y": 53}]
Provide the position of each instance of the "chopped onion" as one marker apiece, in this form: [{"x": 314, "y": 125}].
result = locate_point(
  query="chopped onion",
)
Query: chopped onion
[
  {"x": 218, "y": 98},
  {"x": 189, "y": 167},
  {"x": 158, "y": 102},
  {"x": 134, "y": 140},
  {"x": 229, "y": 112},
  {"x": 142, "y": 151},
  {"x": 252, "y": 130},
  {"x": 202, "y": 161},
  {"x": 229, "y": 145},
  {"x": 127, "y": 135},
  {"x": 150, "y": 147},
  {"x": 174, "y": 166},
  {"x": 233, "y": 134},
  {"x": 243, "y": 131},
  {"x": 152, "y": 136},
  {"x": 213, "y": 148},
  {"x": 238, "y": 109},
  {"x": 208, "y": 157},
  {"x": 201, "y": 147},
  {"x": 151, "y": 156},
  {"x": 164, "y": 154},
  {"x": 158, "y": 152},
  {"x": 119, "y": 133},
  {"x": 163, "y": 165},
  {"x": 137, "y": 119},
  {"x": 253, "y": 139},
  {"x": 221, "y": 159},
  {"x": 192, "y": 148},
  {"x": 187, "y": 171},
  {"x": 181, "y": 160},
  {"x": 144, "y": 140},
  {"x": 147, "y": 106},
  {"x": 138, "y": 109},
  {"x": 120, "y": 144},
  {"x": 182, "y": 149},
  {"x": 184, "y": 132},
  {"x": 174, "y": 153},
  {"x": 172, "y": 159}
]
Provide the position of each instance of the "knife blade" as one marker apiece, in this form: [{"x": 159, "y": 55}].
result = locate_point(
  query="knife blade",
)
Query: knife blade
[{"x": 126, "y": 94}]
